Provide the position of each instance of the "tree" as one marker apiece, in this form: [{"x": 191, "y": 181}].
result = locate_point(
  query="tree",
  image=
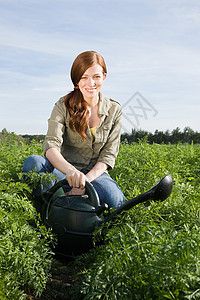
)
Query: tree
[{"x": 4, "y": 131}]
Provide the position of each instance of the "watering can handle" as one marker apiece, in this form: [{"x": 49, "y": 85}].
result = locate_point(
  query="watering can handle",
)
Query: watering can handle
[{"x": 90, "y": 191}]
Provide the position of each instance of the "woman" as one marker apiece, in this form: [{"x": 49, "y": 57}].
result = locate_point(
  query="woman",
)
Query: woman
[{"x": 83, "y": 136}]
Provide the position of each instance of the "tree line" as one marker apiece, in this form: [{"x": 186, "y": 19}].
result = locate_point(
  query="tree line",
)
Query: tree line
[
  {"x": 175, "y": 136},
  {"x": 25, "y": 138}
]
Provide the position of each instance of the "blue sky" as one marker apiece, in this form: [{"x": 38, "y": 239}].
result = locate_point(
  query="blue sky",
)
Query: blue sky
[{"x": 151, "y": 48}]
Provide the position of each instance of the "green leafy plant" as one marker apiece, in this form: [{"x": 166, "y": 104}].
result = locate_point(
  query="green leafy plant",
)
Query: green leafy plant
[
  {"x": 152, "y": 252},
  {"x": 25, "y": 253}
]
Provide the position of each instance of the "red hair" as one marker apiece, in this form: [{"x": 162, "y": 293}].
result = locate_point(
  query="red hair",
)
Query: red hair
[{"x": 74, "y": 101}]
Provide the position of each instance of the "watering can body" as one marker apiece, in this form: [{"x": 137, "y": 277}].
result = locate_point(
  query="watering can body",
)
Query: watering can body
[{"x": 73, "y": 219}]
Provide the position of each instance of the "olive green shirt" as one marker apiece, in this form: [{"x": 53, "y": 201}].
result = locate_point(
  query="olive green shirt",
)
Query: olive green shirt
[{"x": 85, "y": 153}]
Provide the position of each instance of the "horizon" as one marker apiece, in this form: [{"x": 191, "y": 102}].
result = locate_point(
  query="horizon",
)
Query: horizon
[{"x": 137, "y": 130}]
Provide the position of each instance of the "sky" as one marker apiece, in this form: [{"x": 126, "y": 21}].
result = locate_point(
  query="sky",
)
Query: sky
[{"x": 151, "y": 49}]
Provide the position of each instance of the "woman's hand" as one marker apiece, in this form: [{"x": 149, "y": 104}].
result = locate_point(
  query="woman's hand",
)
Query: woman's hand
[
  {"x": 75, "y": 191},
  {"x": 76, "y": 179}
]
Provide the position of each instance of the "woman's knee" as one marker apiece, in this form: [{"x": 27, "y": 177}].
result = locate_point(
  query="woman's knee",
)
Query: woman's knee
[
  {"x": 41, "y": 165},
  {"x": 37, "y": 163},
  {"x": 109, "y": 192},
  {"x": 30, "y": 163},
  {"x": 115, "y": 198}
]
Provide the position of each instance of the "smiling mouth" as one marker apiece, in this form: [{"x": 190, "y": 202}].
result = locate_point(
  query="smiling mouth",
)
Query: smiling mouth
[{"x": 91, "y": 90}]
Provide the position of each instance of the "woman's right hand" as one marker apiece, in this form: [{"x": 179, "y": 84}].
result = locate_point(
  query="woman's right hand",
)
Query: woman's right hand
[{"x": 76, "y": 179}]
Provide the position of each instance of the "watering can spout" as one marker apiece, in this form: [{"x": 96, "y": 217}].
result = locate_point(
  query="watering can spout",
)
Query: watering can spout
[
  {"x": 159, "y": 192},
  {"x": 163, "y": 189}
]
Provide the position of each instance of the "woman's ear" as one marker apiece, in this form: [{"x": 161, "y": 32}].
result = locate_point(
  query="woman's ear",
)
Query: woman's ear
[{"x": 104, "y": 76}]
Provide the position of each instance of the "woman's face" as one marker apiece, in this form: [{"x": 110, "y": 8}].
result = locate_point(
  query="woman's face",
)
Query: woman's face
[{"x": 91, "y": 82}]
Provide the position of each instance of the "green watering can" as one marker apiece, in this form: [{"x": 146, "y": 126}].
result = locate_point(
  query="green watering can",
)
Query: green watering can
[{"x": 73, "y": 219}]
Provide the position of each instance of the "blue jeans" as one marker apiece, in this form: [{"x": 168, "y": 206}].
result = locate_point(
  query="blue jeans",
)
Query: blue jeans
[{"x": 107, "y": 189}]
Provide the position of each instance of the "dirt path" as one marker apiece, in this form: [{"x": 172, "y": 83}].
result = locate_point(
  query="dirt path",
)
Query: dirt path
[{"x": 59, "y": 284}]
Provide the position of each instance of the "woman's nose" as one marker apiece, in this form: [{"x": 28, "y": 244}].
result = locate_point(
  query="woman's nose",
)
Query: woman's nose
[{"x": 91, "y": 82}]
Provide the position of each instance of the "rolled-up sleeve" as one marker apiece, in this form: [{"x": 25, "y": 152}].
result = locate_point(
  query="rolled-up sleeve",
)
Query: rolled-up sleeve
[
  {"x": 110, "y": 150},
  {"x": 56, "y": 128}
]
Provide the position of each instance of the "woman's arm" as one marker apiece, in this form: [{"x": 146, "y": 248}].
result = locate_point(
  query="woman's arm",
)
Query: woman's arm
[
  {"x": 109, "y": 151},
  {"x": 96, "y": 171},
  {"x": 75, "y": 178}
]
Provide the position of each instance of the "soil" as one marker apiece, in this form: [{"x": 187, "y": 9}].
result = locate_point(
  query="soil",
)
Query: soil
[{"x": 58, "y": 286}]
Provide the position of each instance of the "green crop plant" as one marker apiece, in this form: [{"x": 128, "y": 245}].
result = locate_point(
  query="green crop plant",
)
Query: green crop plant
[
  {"x": 153, "y": 250},
  {"x": 25, "y": 253}
]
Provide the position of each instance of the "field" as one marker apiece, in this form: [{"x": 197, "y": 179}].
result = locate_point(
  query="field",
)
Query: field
[{"x": 151, "y": 252}]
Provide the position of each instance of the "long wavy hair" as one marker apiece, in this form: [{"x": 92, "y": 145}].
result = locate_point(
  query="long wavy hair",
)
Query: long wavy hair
[{"x": 74, "y": 101}]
